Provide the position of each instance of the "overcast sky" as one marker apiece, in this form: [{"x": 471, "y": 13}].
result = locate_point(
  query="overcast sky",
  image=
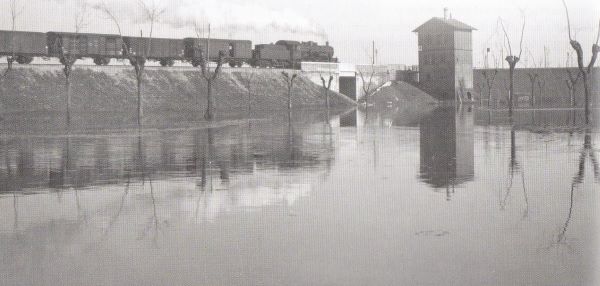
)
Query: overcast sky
[{"x": 348, "y": 25}]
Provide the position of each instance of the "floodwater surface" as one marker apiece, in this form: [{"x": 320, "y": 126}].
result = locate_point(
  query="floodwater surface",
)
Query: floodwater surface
[{"x": 446, "y": 198}]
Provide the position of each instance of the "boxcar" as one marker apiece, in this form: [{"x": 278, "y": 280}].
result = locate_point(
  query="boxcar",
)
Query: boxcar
[
  {"x": 97, "y": 46},
  {"x": 166, "y": 51},
  {"x": 24, "y": 45},
  {"x": 236, "y": 51}
]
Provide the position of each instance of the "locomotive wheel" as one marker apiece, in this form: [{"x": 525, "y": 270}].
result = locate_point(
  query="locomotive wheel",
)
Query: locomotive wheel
[
  {"x": 232, "y": 64},
  {"x": 195, "y": 63},
  {"x": 24, "y": 60},
  {"x": 240, "y": 64},
  {"x": 164, "y": 62},
  {"x": 105, "y": 61}
]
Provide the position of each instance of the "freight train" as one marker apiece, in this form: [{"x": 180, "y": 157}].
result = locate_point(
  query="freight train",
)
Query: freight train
[{"x": 102, "y": 48}]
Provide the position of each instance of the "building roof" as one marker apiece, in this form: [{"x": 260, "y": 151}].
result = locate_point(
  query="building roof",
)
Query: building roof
[{"x": 454, "y": 24}]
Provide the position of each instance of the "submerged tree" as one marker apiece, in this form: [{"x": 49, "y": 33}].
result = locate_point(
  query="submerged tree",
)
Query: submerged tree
[
  {"x": 209, "y": 76},
  {"x": 369, "y": 83},
  {"x": 533, "y": 78},
  {"x": 571, "y": 83},
  {"x": 512, "y": 61},
  {"x": 490, "y": 79},
  {"x": 289, "y": 81},
  {"x": 137, "y": 59},
  {"x": 15, "y": 11},
  {"x": 585, "y": 71},
  {"x": 248, "y": 80},
  {"x": 326, "y": 88},
  {"x": 541, "y": 88}
]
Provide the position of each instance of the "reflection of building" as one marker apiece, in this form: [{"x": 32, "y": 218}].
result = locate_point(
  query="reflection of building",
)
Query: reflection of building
[
  {"x": 447, "y": 147},
  {"x": 445, "y": 58}
]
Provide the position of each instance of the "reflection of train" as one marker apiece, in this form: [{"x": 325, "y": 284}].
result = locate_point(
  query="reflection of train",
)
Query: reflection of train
[{"x": 25, "y": 46}]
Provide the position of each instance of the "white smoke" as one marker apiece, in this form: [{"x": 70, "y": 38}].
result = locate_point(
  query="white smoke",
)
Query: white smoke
[{"x": 225, "y": 17}]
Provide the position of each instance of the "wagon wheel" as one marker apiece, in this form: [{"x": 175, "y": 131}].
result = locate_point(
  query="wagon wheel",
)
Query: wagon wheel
[
  {"x": 164, "y": 62},
  {"x": 196, "y": 62},
  {"x": 98, "y": 61}
]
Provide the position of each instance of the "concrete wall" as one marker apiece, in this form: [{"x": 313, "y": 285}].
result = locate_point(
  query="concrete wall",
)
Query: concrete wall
[{"x": 550, "y": 87}]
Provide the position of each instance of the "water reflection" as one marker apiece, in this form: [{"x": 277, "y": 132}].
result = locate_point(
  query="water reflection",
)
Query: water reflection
[
  {"x": 447, "y": 148},
  {"x": 300, "y": 199}
]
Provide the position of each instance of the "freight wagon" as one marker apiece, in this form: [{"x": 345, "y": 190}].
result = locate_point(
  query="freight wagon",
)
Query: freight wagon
[
  {"x": 23, "y": 45},
  {"x": 165, "y": 51},
  {"x": 99, "y": 47},
  {"x": 236, "y": 52}
]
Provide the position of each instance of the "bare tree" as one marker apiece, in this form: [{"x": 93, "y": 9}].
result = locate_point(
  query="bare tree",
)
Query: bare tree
[
  {"x": 512, "y": 61},
  {"x": 289, "y": 80},
  {"x": 490, "y": 79},
  {"x": 370, "y": 85},
  {"x": 81, "y": 17},
  {"x": 571, "y": 83},
  {"x": 151, "y": 13},
  {"x": 533, "y": 79},
  {"x": 15, "y": 11},
  {"x": 585, "y": 71},
  {"x": 209, "y": 77},
  {"x": 248, "y": 81},
  {"x": 542, "y": 89},
  {"x": 479, "y": 91},
  {"x": 326, "y": 88}
]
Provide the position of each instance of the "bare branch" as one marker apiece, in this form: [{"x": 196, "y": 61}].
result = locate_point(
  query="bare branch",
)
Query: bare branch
[
  {"x": 598, "y": 36},
  {"x": 522, "y": 35},
  {"x": 506, "y": 36},
  {"x": 568, "y": 19},
  {"x": 109, "y": 14},
  {"x": 81, "y": 16}
]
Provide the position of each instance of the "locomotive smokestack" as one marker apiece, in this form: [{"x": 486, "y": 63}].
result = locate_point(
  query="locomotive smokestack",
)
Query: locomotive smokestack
[{"x": 446, "y": 13}]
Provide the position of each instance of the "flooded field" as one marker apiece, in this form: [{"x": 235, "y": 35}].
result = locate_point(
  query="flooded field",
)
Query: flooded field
[{"x": 352, "y": 198}]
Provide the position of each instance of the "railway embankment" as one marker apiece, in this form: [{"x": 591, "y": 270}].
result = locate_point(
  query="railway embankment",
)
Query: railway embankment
[{"x": 113, "y": 88}]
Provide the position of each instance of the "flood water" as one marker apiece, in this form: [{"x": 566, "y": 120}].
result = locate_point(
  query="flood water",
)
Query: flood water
[{"x": 454, "y": 197}]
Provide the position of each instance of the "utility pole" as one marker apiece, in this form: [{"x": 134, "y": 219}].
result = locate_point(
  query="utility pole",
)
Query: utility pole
[{"x": 373, "y": 58}]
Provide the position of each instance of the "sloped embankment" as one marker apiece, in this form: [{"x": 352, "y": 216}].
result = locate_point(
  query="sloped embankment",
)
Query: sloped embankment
[
  {"x": 404, "y": 95},
  {"x": 113, "y": 88}
]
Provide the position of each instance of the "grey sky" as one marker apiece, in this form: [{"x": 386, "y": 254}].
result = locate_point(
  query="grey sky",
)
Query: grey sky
[{"x": 350, "y": 26}]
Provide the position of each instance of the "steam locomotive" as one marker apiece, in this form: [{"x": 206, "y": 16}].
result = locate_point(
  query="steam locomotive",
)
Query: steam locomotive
[{"x": 102, "y": 48}]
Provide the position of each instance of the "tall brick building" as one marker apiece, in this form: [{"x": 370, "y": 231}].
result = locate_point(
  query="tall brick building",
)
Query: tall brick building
[{"x": 446, "y": 58}]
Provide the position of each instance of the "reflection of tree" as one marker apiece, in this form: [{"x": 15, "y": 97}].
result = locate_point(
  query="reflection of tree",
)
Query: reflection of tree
[
  {"x": 115, "y": 218},
  {"x": 153, "y": 226},
  {"x": 514, "y": 167},
  {"x": 587, "y": 151}
]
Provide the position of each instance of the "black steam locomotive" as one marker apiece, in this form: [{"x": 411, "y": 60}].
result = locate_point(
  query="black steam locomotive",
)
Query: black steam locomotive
[{"x": 102, "y": 48}]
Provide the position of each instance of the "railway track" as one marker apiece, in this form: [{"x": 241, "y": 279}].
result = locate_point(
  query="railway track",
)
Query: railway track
[{"x": 119, "y": 66}]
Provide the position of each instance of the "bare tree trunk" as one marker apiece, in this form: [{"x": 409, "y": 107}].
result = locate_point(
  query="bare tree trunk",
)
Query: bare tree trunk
[
  {"x": 68, "y": 90},
  {"x": 587, "y": 97},
  {"x": 209, "y": 114},
  {"x": 140, "y": 109},
  {"x": 511, "y": 88},
  {"x": 290, "y": 97}
]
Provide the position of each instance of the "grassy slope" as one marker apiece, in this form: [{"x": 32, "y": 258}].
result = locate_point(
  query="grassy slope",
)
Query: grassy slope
[{"x": 114, "y": 89}]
